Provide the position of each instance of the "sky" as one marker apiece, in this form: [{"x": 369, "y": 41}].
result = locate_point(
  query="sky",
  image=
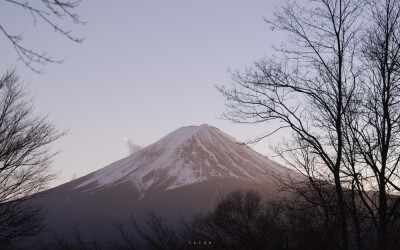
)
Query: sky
[{"x": 144, "y": 69}]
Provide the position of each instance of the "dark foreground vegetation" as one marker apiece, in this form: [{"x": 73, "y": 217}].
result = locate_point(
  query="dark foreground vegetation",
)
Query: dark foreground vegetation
[{"x": 243, "y": 220}]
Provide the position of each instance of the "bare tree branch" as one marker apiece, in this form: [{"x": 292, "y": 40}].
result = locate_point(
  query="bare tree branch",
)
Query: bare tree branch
[{"x": 47, "y": 11}]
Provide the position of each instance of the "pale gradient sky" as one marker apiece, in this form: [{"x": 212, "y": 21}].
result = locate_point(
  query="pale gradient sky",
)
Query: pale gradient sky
[{"x": 145, "y": 69}]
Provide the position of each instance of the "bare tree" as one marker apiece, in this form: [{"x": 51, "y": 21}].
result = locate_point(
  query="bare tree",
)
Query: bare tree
[
  {"x": 160, "y": 234},
  {"x": 374, "y": 124},
  {"x": 128, "y": 238},
  {"x": 73, "y": 243},
  {"x": 50, "y": 12},
  {"x": 25, "y": 159},
  {"x": 308, "y": 91},
  {"x": 155, "y": 234},
  {"x": 242, "y": 220},
  {"x": 238, "y": 221}
]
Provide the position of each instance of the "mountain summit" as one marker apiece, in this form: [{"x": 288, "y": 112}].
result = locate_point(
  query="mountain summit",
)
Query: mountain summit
[
  {"x": 186, "y": 156},
  {"x": 182, "y": 174}
]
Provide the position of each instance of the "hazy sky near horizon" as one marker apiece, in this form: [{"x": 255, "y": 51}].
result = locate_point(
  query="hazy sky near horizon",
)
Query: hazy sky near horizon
[{"x": 145, "y": 69}]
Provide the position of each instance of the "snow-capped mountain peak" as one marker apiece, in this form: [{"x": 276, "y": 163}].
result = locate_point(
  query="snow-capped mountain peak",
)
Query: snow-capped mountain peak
[{"x": 187, "y": 155}]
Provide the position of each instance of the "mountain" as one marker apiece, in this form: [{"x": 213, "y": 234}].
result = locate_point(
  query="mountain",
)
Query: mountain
[
  {"x": 186, "y": 156},
  {"x": 182, "y": 174}
]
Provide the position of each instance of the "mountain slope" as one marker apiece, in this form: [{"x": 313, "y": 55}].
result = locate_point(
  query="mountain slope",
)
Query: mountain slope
[{"x": 182, "y": 174}]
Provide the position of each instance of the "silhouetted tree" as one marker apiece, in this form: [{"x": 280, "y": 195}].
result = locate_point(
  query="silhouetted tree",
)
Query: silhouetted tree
[
  {"x": 49, "y": 12},
  {"x": 76, "y": 242},
  {"x": 154, "y": 234},
  {"x": 308, "y": 91},
  {"x": 25, "y": 159},
  {"x": 240, "y": 220},
  {"x": 374, "y": 123}
]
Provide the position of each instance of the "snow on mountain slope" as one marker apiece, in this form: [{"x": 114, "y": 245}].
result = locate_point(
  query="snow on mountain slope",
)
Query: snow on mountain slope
[{"x": 186, "y": 156}]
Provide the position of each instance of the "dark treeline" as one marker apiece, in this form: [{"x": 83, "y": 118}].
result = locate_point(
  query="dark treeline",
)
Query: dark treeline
[{"x": 243, "y": 220}]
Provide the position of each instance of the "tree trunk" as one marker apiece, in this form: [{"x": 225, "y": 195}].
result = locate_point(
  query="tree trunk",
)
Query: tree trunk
[{"x": 342, "y": 211}]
